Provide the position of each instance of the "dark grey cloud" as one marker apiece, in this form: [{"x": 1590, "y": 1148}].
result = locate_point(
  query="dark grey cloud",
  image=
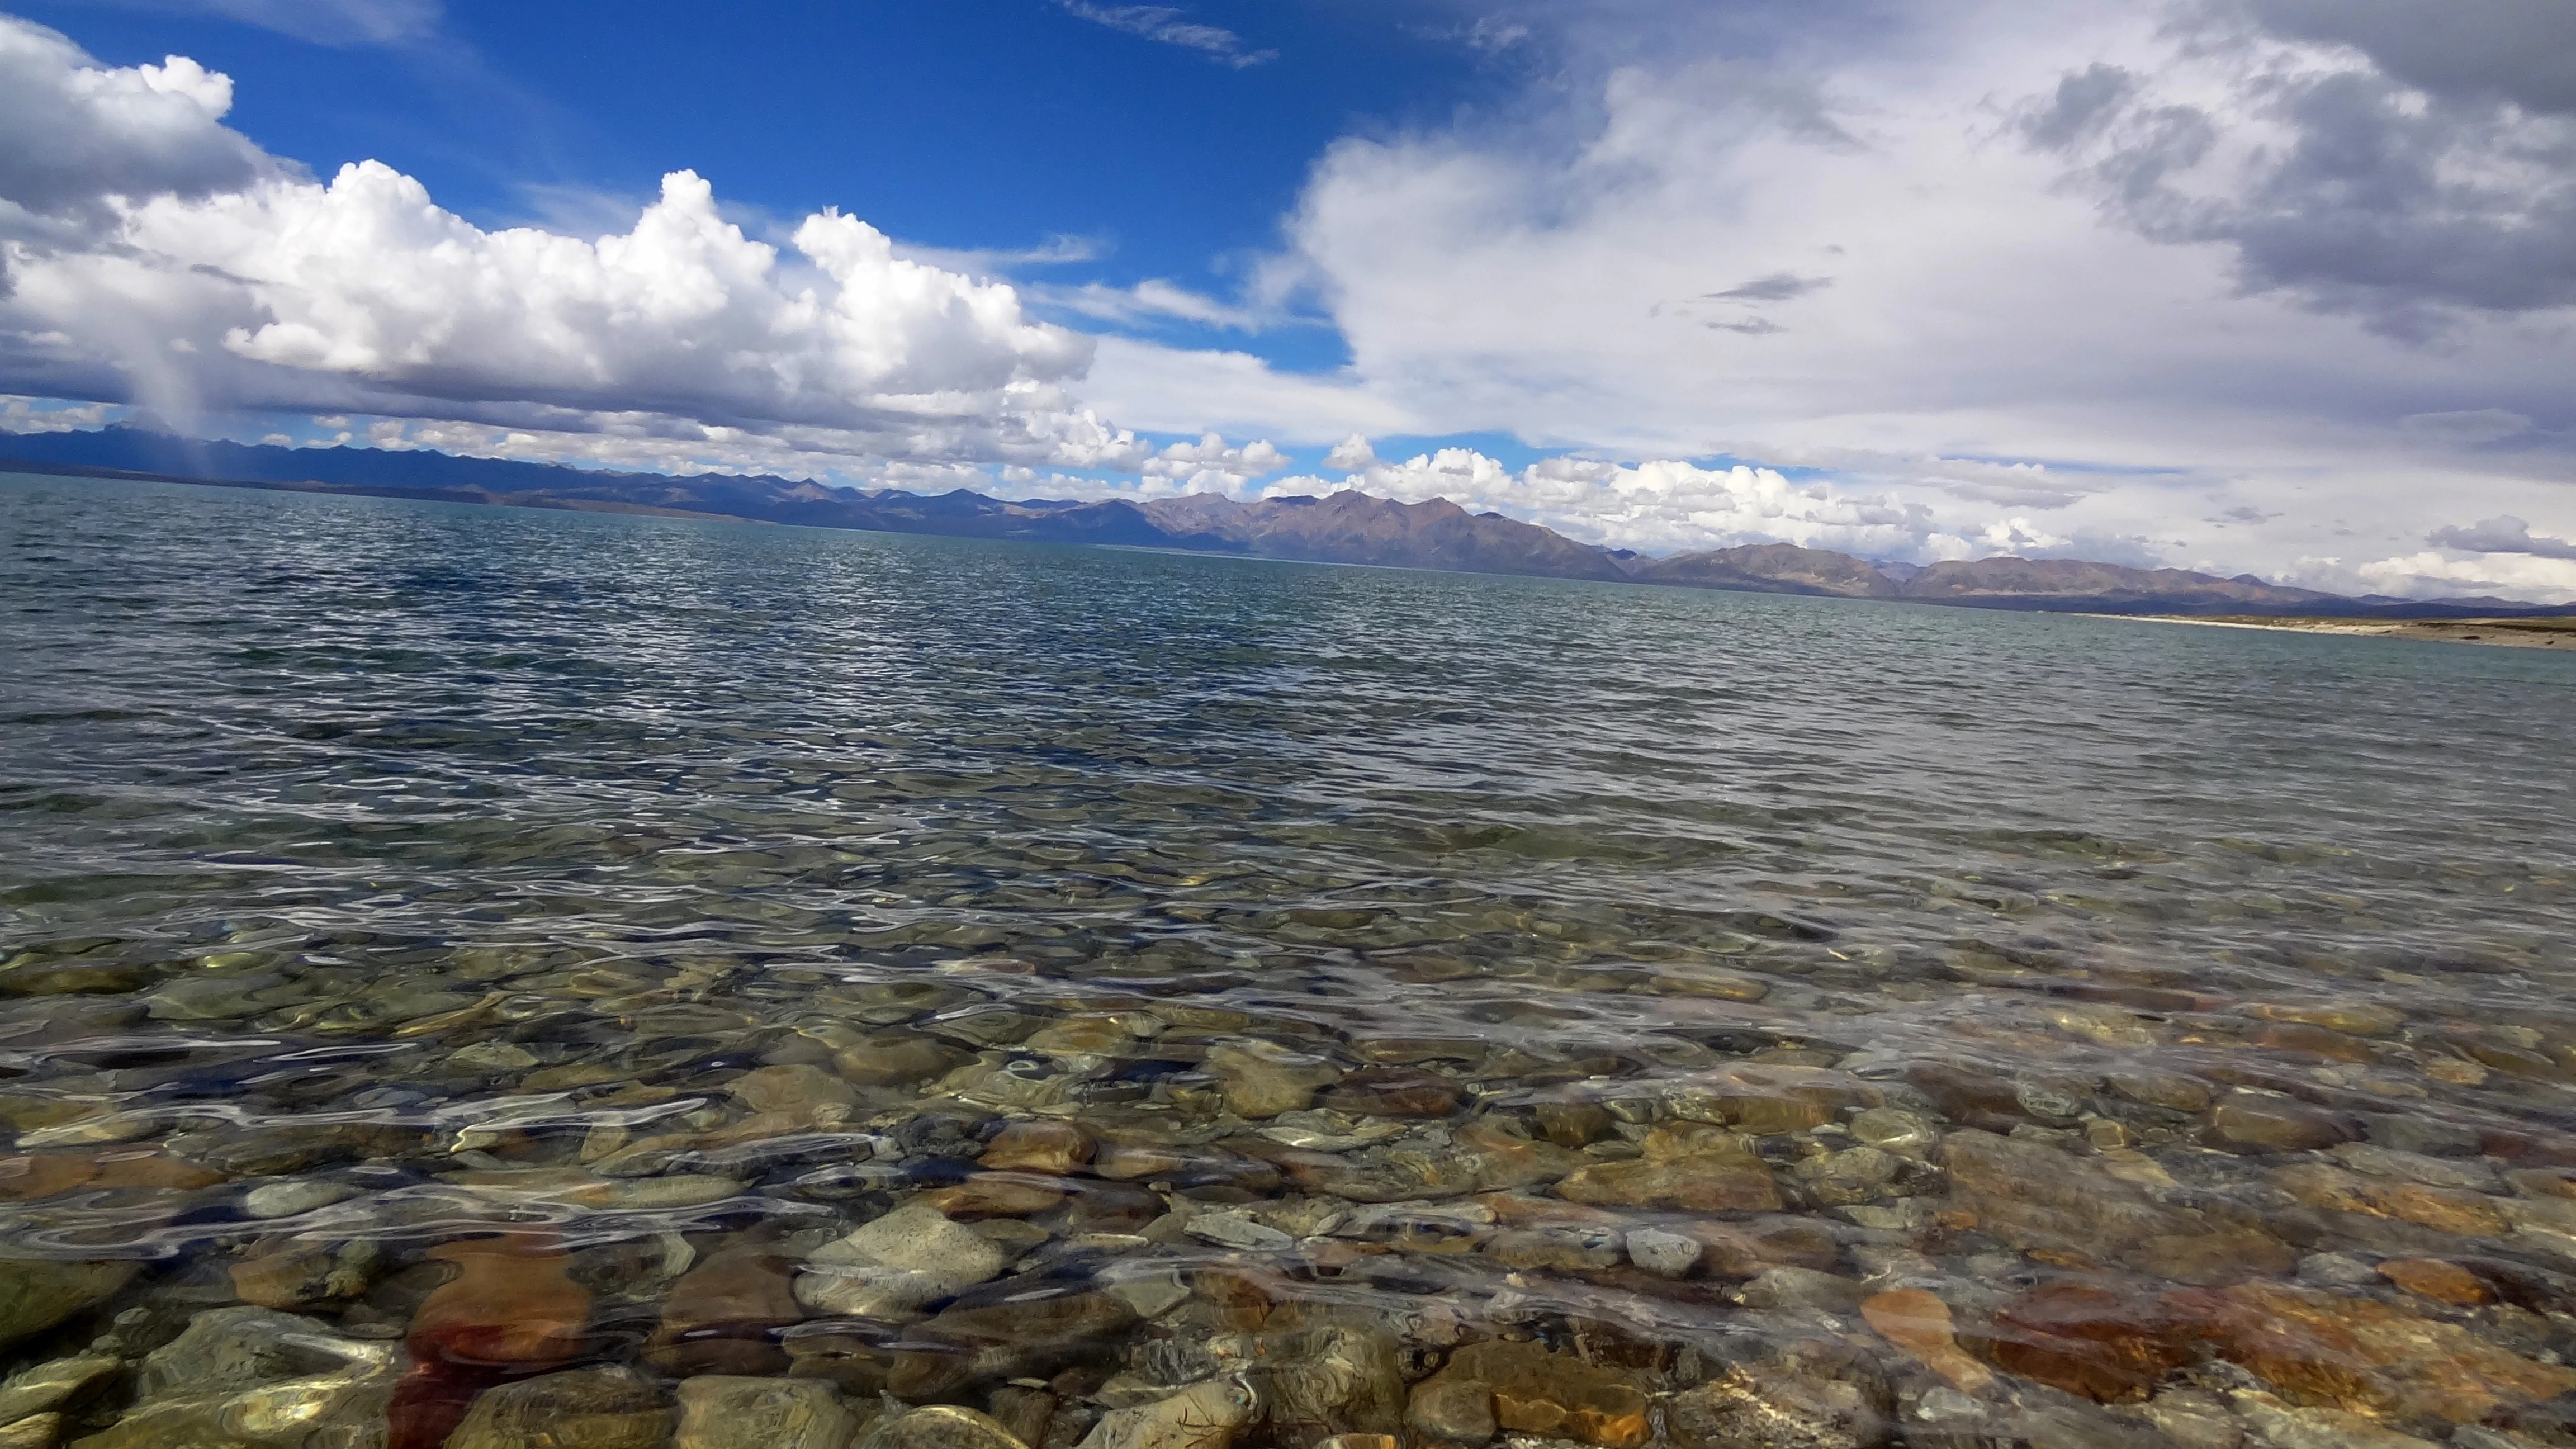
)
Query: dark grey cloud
[
  {"x": 1778, "y": 287},
  {"x": 2083, "y": 104},
  {"x": 2522, "y": 51},
  {"x": 1757, "y": 327},
  {"x": 2506, "y": 534},
  {"x": 2438, "y": 179},
  {"x": 78, "y": 134}
]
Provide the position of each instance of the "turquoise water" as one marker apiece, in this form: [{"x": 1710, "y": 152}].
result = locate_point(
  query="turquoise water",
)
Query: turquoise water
[{"x": 306, "y": 796}]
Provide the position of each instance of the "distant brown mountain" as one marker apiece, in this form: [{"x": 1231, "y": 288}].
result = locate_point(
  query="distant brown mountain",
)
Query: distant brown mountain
[
  {"x": 1353, "y": 527},
  {"x": 1347, "y": 527},
  {"x": 1771, "y": 568}
]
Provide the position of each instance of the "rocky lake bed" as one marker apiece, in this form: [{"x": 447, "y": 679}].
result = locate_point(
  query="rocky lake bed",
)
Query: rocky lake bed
[{"x": 595, "y": 983}]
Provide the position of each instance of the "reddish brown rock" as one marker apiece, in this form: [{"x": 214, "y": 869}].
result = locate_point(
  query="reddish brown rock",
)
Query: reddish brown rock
[
  {"x": 2105, "y": 1345},
  {"x": 720, "y": 1315},
  {"x": 1920, "y": 1325},
  {"x": 2364, "y": 1356},
  {"x": 2442, "y": 1282},
  {"x": 1527, "y": 1389},
  {"x": 510, "y": 1304}
]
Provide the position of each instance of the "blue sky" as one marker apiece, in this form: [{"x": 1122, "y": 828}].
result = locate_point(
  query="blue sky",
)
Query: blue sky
[
  {"x": 2272, "y": 285},
  {"x": 985, "y": 125}
]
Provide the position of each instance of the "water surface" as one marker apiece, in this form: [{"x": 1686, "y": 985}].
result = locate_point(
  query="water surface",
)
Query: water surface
[{"x": 1385, "y": 949}]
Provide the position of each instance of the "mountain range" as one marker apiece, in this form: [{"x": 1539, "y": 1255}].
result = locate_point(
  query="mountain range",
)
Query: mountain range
[{"x": 1348, "y": 527}]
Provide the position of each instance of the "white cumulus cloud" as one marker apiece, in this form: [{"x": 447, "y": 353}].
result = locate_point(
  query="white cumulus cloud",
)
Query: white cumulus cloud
[{"x": 205, "y": 274}]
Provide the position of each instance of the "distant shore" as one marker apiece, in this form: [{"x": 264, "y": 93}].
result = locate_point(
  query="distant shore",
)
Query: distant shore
[{"x": 2536, "y": 633}]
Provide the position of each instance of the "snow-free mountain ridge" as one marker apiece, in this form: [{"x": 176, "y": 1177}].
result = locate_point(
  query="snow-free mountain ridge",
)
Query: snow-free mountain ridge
[{"x": 1348, "y": 527}]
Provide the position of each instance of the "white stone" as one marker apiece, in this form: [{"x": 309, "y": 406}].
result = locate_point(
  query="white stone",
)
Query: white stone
[
  {"x": 911, "y": 1257},
  {"x": 1663, "y": 1253}
]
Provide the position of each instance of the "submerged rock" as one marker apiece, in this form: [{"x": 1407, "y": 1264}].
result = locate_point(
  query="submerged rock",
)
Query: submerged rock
[
  {"x": 35, "y": 1295},
  {"x": 1705, "y": 1182},
  {"x": 512, "y": 1303},
  {"x": 1775, "y": 1409},
  {"x": 1261, "y": 1080},
  {"x": 1531, "y": 1390},
  {"x": 1920, "y": 1325},
  {"x": 599, "y": 1408},
  {"x": 762, "y": 1413},
  {"x": 900, "y": 1263},
  {"x": 251, "y": 1378},
  {"x": 2091, "y": 1341},
  {"x": 720, "y": 1315},
  {"x": 40, "y": 1387},
  {"x": 940, "y": 1426},
  {"x": 1204, "y": 1416}
]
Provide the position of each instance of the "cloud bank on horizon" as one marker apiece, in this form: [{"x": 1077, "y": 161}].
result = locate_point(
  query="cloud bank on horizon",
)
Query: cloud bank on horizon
[{"x": 2271, "y": 285}]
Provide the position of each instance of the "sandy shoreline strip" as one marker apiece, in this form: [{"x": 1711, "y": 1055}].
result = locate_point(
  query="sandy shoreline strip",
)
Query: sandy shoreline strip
[{"x": 2541, "y": 633}]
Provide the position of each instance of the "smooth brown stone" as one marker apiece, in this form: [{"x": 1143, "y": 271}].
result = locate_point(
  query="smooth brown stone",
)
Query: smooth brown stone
[
  {"x": 1029, "y": 1337},
  {"x": 600, "y": 1408},
  {"x": 2208, "y": 1259},
  {"x": 2365, "y": 1020},
  {"x": 1544, "y": 1248},
  {"x": 1394, "y": 1092},
  {"x": 895, "y": 1063},
  {"x": 941, "y": 1426},
  {"x": 719, "y": 1316},
  {"x": 511, "y": 1303},
  {"x": 2106, "y": 1346},
  {"x": 2516, "y": 1061},
  {"x": 1451, "y": 1410},
  {"x": 2266, "y": 1123},
  {"x": 1572, "y": 1124},
  {"x": 1920, "y": 1324},
  {"x": 300, "y": 1277},
  {"x": 1023, "y": 1411},
  {"x": 2442, "y": 1282},
  {"x": 2313, "y": 1041},
  {"x": 1504, "y": 1159},
  {"x": 997, "y": 1195},
  {"x": 1056, "y": 1149},
  {"x": 24, "y": 1179},
  {"x": 37, "y": 1294},
  {"x": 1129, "y": 1162},
  {"x": 802, "y": 1090},
  {"x": 2039, "y": 1199},
  {"x": 1764, "y": 1099},
  {"x": 1711, "y": 1182},
  {"x": 1749, "y": 1249},
  {"x": 1974, "y": 1099},
  {"x": 2161, "y": 1089}
]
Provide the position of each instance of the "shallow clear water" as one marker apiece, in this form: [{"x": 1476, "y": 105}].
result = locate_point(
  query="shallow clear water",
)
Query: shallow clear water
[{"x": 464, "y": 864}]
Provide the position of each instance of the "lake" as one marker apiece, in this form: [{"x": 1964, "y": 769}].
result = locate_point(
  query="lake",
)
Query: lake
[{"x": 509, "y": 962}]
